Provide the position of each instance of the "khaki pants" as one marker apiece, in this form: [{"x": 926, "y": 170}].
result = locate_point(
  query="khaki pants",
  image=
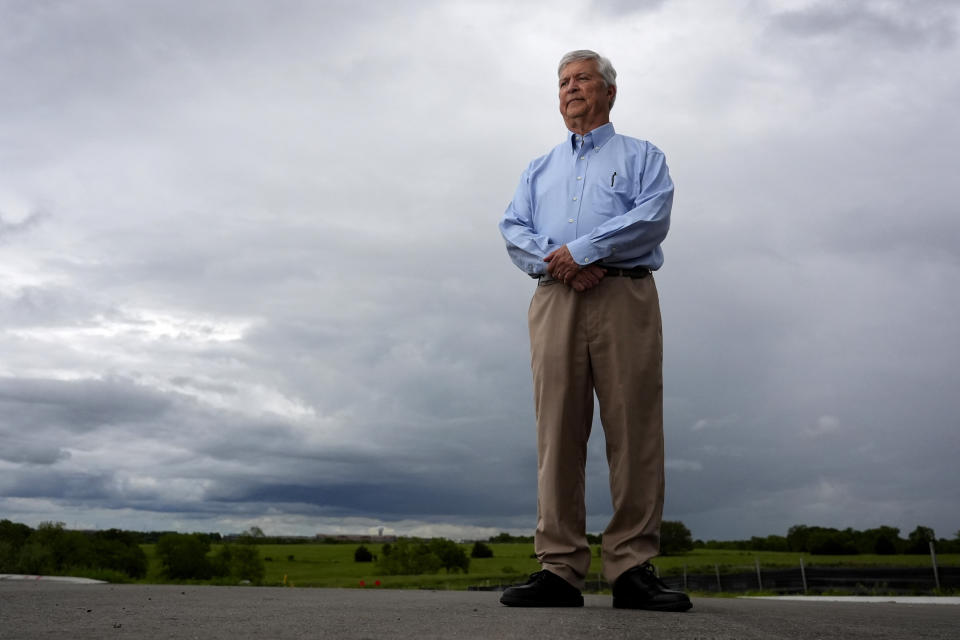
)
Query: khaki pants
[{"x": 607, "y": 339}]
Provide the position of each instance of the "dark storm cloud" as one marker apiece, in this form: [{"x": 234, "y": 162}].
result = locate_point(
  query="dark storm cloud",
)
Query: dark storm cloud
[
  {"x": 75, "y": 405},
  {"x": 30, "y": 452},
  {"x": 271, "y": 290},
  {"x": 43, "y": 483},
  {"x": 418, "y": 477},
  {"x": 390, "y": 500}
]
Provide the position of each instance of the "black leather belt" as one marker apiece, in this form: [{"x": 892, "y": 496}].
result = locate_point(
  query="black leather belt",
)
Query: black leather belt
[{"x": 635, "y": 272}]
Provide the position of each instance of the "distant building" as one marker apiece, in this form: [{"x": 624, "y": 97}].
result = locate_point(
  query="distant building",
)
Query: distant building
[{"x": 379, "y": 539}]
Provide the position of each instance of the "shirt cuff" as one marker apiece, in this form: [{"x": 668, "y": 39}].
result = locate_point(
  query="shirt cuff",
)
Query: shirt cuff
[{"x": 583, "y": 251}]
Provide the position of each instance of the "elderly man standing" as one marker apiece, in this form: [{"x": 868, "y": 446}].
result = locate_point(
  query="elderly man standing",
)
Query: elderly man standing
[{"x": 587, "y": 221}]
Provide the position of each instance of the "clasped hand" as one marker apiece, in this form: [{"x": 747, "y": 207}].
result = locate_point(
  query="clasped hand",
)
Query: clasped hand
[{"x": 561, "y": 266}]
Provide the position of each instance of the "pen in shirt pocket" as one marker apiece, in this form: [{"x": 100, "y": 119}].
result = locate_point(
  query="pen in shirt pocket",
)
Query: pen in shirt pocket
[{"x": 612, "y": 178}]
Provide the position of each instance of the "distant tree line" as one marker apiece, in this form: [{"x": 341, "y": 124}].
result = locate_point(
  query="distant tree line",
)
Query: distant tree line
[
  {"x": 413, "y": 556},
  {"x": 675, "y": 538},
  {"x": 505, "y": 538},
  {"x": 50, "y": 549},
  {"x": 883, "y": 540},
  {"x": 186, "y": 556},
  {"x": 116, "y": 555}
]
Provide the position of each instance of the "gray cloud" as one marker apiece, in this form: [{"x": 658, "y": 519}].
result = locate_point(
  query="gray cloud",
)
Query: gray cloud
[
  {"x": 270, "y": 289},
  {"x": 78, "y": 405},
  {"x": 10, "y": 227},
  {"x": 621, "y": 8},
  {"x": 901, "y": 25},
  {"x": 32, "y": 453}
]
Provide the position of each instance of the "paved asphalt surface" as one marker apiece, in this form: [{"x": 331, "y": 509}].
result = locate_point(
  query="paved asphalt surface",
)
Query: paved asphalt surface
[{"x": 59, "y": 610}]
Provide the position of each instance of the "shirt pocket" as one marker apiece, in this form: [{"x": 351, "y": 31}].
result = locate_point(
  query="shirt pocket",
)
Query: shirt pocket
[{"x": 612, "y": 192}]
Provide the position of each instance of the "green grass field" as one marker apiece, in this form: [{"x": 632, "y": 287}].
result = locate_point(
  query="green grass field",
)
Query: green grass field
[{"x": 332, "y": 565}]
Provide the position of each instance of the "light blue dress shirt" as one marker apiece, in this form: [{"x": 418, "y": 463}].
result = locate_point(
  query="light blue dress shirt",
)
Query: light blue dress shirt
[{"x": 604, "y": 195}]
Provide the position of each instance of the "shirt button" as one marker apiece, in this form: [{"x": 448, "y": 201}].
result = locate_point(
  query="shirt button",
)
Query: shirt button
[
  {"x": 574, "y": 198},
  {"x": 582, "y": 157},
  {"x": 579, "y": 177},
  {"x": 570, "y": 220}
]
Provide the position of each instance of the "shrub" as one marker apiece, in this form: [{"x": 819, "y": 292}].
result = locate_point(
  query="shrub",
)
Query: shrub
[
  {"x": 239, "y": 562},
  {"x": 13, "y": 536},
  {"x": 919, "y": 540},
  {"x": 409, "y": 557},
  {"x": 831, "y": 543},
  {"x": 452, "y": 556},
  {"x": 184, "y": 556},
  {"x": 884, "y": 546},
  {"x": 118, "y": 551},
  {"x": 35, "y": 559},
  {"x": 675, "y": 538},
  {"x": 362, "y": 554}
]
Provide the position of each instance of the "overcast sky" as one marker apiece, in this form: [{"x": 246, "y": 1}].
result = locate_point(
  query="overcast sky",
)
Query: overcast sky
[{"x": 250, "y": 272}]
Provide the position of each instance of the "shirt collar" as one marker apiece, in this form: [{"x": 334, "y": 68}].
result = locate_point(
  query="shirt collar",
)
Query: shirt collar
[{"x": 596, "y": 138}]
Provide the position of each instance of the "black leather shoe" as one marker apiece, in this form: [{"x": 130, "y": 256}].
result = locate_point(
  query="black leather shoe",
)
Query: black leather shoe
[
  {"x": 640, "y": 588},
  {"x": 543, "y": 589}
]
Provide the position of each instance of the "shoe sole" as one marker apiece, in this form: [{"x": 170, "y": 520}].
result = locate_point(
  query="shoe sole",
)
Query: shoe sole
[{"x": 669, "y": 606}]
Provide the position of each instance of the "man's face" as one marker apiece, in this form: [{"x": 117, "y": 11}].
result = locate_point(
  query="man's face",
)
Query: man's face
[{"x": 583, "y": 93}]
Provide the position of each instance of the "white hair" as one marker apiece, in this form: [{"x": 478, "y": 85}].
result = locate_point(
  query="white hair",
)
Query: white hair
[{"x": 604, "y": 66}]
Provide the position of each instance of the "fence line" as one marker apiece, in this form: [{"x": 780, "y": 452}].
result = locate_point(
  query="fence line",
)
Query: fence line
[
  {"x": 804, "y": 579},
  {"x": 817, "y": 579},
  {"x": 800, "y": 579}
]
